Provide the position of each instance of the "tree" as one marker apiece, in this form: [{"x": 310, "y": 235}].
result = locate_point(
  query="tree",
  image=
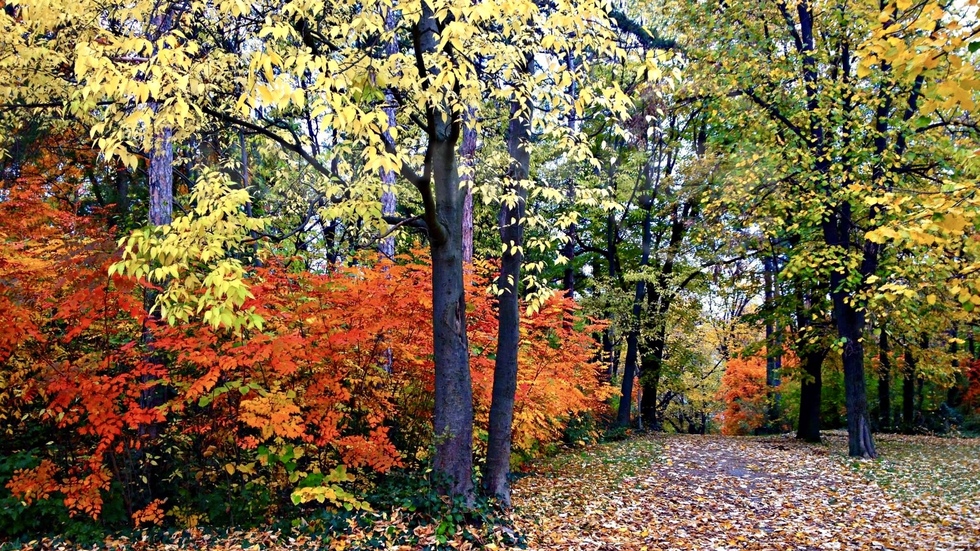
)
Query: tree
[
  {"x": 313, "y": 74},
  {"x": 801, "y": 84}
]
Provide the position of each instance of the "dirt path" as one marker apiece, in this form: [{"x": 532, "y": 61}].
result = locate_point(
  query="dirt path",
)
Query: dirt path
[{"x": 715, "y": 493}]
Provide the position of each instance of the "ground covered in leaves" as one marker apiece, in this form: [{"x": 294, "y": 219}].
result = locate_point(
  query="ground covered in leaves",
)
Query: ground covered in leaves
[
  {"x": 684, "y": 493},
  {"x": 715, "y": 493}
]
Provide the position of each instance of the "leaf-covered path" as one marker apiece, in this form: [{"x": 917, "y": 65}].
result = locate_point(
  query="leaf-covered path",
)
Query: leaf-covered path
[{"x": 714, "y": 492}]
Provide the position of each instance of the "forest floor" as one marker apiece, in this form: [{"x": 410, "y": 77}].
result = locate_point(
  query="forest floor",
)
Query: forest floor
[
  {"x": 704, "y": 493},
  {"x": 717, "y": 492}
]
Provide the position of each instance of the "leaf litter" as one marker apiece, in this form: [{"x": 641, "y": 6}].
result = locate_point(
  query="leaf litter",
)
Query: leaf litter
[
  {"x": 767, "y": 493},
  {"x": 680, "y": 492}
]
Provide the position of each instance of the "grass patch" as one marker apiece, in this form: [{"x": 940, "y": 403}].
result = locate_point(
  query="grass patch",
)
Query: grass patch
[
  {"x": 610, "y": 462},
  {"x": 915, "y": 468}
]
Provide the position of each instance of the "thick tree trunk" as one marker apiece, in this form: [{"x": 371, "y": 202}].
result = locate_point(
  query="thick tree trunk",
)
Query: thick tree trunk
[
  {"x": 442, "y": 200},
  {"x": 511, "y": 226},
  {"x": 850, "y": 326},
  {"x": 453, "y": 416},
  {"x": 837, "y": 229},
  {"x": 808, "y": 428}
]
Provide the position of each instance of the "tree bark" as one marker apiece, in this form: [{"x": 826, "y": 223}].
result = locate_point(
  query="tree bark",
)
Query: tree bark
[
  {"x": 773, "y": 357},
  {"x": 659, "y": 299},
  {"x": 884, "y": 382},
  {"x": 511, "y": 227},
  {"x": 161, "y": 178},
  {"x": 442, "y": 199},
  {"x": 808, "y": 428},
  {"x": 908, "y": 392},
  {"x": 467, "y": 152},
  {"x": 389, "y": 202},
  {"x": 453, "y": 415},
  {"x": 633, "y": 337},
  {"x": 850, "y": 326}
]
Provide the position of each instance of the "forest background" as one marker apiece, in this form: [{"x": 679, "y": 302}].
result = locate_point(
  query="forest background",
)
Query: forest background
[{"x": 266, "y": 261}]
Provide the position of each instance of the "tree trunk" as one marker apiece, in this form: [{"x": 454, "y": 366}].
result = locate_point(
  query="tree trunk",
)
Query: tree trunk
[
  {"x": 651, "y": 369},
  {"x": 609, "y": 339},
  {"x": 808, "y": 428},
  {"x": 122, "y": 194},
  {"x": 161, "y": 178},
  {"x": 632, "y": 338},
  {"x": 773, "y": 358},
  {"x": 467, "y": 152},
  {"x": 629, "y": 373},
  {"x": 511, "y": 226},
  {"x": 850, "y": 325},
  {"x": 453, "y": 416},
  {"x": 659, "y": 299},
  {"x": 442, "y": 200},
  {"x": 954, "y": 397},
  {"x": 389, "y": 202},
  {"x": 884, "y": 382},
  {"x": 908, "y": 392}
]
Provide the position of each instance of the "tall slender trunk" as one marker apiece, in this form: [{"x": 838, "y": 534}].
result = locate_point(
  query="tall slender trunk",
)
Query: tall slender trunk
[
  {"x": 122, "y": 193},
  {"x": 884, "y": 382},
  {"x": 808, "y": 428},
  {"x": 389, "y": 202},
  {"x": 568, "y": 249},
  {"x": 511, "y": 226},
  {"x": 467, "y": 153},
  {"x": 954, "y": 397},
  {"x": 908, "y": 392},
  {"x": 612, "y": 250},
  {"x": 623, "y": 414},
  {"x": 633, "y": 337},
  {"x": 773, "y": 356}
]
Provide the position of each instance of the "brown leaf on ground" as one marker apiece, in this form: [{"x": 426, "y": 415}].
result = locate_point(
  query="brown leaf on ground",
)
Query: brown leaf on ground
[{"x": 720, "y": 493}]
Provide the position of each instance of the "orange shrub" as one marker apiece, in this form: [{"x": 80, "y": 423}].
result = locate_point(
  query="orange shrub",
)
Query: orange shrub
[
  {"x": 340, "y": 374},
  {"x": 743, "y": 390}
]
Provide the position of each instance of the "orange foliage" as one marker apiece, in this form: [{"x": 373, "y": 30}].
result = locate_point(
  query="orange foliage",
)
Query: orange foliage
[
  {"x": 744, "y": 392},
  {"x": 971, "y": 399},
  {"x": 340, "y": 371},
  {"x": 557, "y": 375},
  {"x": 340, "y": 374}
]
